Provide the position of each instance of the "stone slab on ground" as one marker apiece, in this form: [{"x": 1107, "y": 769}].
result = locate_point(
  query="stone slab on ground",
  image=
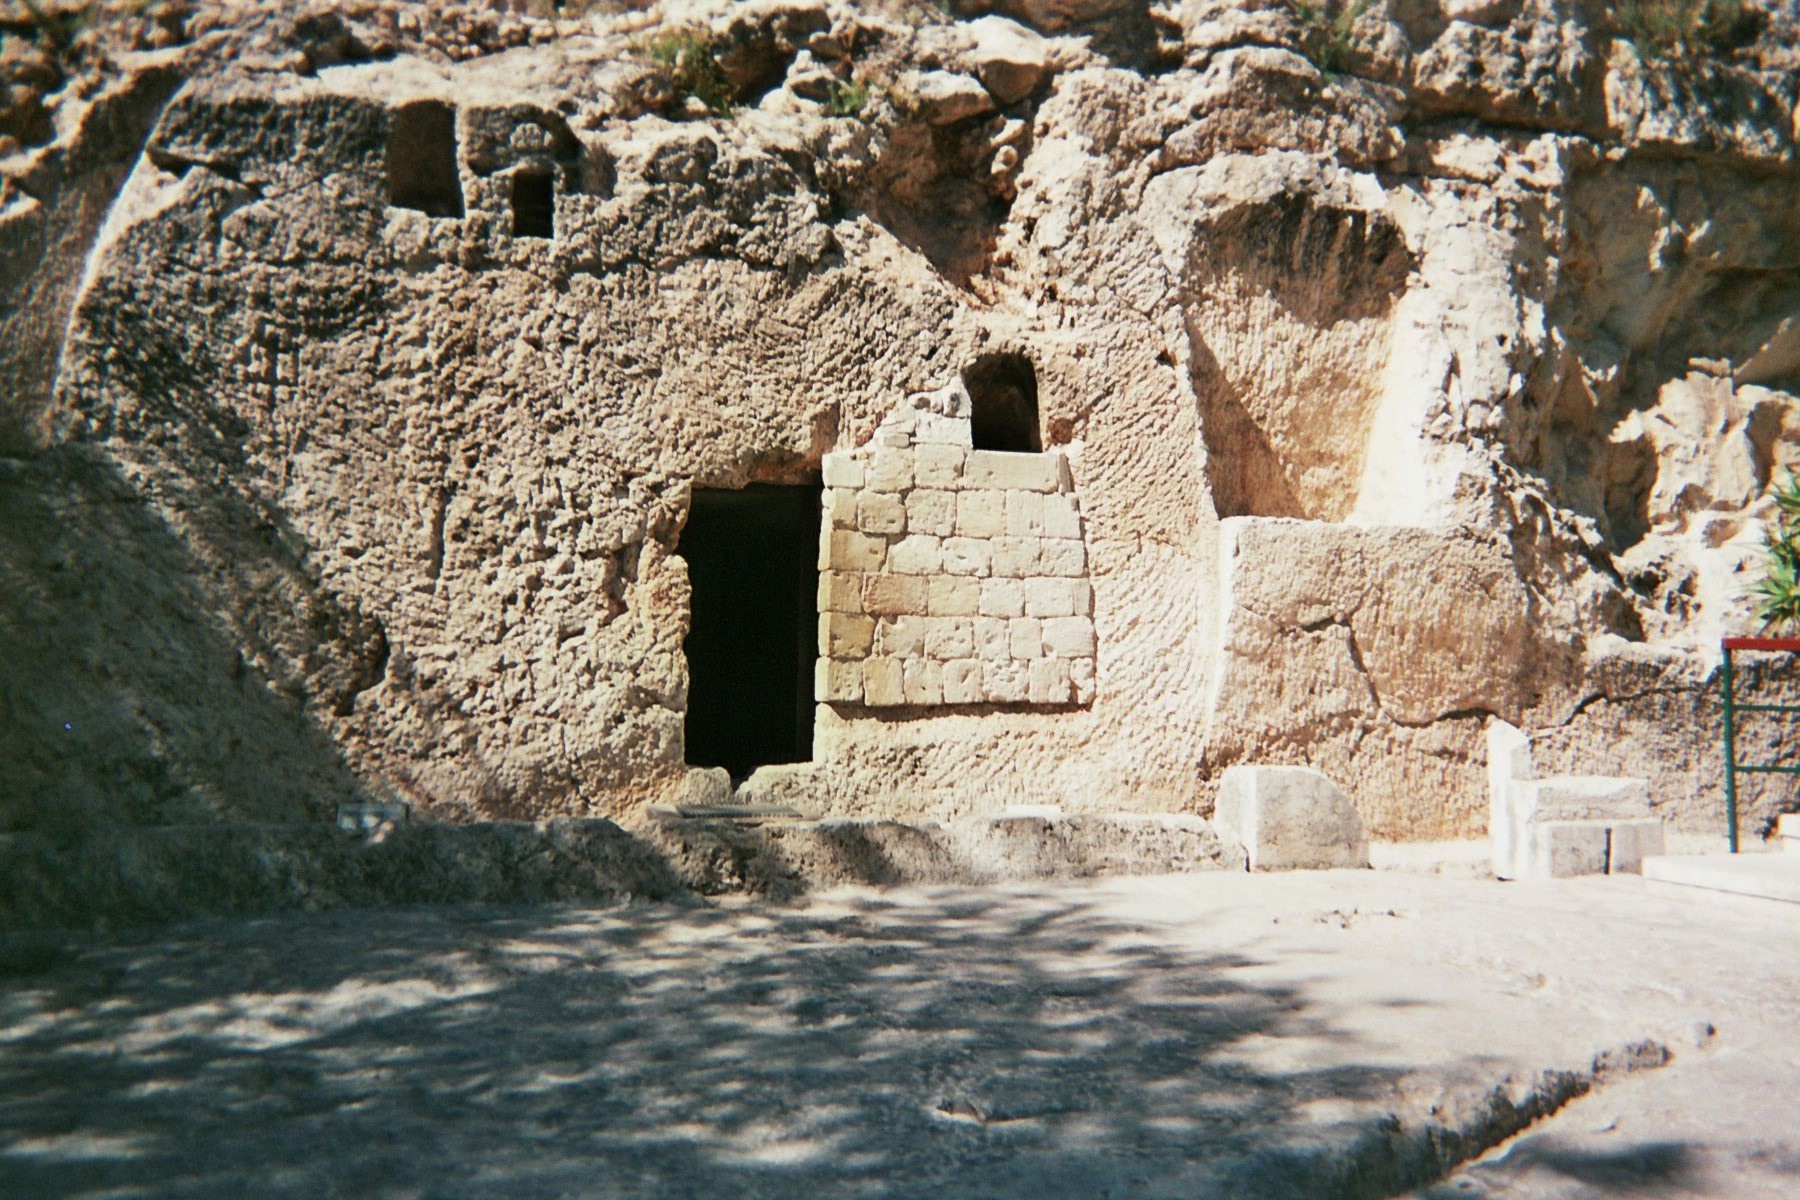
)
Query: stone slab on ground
[
  {"x": 1769, "y": 876},
  {"x": 1317, "y": 1035},
  {"x": 1290, "y": 818}
]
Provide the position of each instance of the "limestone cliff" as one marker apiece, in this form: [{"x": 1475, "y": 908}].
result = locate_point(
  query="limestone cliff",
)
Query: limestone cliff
[{"x": 1401, "y": 365}]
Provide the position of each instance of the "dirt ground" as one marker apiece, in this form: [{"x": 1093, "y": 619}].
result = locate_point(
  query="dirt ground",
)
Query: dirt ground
[{"x": 1328, "y": 1034}]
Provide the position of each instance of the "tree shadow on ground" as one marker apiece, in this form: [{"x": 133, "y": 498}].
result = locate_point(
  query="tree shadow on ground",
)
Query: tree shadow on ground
[{"x": 951, "y": 1044}]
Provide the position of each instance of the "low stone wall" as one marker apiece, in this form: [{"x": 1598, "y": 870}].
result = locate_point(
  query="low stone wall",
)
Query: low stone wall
[{"x": 147, "y": 876}]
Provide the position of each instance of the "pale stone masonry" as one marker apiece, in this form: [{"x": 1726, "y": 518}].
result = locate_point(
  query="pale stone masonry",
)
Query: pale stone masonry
[{"x": 950, "y": 575}]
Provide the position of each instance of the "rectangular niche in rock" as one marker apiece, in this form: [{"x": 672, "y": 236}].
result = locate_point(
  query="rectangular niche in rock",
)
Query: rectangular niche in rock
[
  {"x": 421, "y": 160},
  {"x": 533, "y": 204},
  {"x": 750, "y": 643}
]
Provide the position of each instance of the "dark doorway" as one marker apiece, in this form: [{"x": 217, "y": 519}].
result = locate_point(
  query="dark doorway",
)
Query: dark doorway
[
  {"x": 421, "y": 160},
  {"x": 1004, "y": 403},
  {"x": 533, "y": 205},
  {"x": 752, "y": 557}
]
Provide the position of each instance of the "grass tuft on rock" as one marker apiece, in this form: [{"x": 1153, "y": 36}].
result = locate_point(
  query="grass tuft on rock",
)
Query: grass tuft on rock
[{"x": 1778, "y": 593}]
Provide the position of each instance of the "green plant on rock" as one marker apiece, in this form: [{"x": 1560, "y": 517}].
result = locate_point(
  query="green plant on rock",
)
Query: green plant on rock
[
  {"x": 687, "y": 55},
  {"x": 1685, "y": 29},
  {"x": 1331, "y": 31},
  {"x": 1778, "y": 593},
  {"x": 847, "y": 99}
]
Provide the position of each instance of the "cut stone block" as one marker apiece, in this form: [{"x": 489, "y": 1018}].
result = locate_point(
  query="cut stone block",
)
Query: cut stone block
[
  {"x": 991, "y": 638},
  {"x": 881, "y": 512},
  {"x": 937, "y": 466},
  {"x": 916, "y": 554},
  {"x": 890, "y": 470},
  {"x": 1025, "y": 514},
  {"x": 894, "y": 595},
  {"x": 952, "y": 596},
  {"x": 840, "y": 592},
  {"x": 933, "y": 429},
  {"x": 1002, "y": 598},
  {"x": 845, "y": 635},
  {"x": 848, "y": 550},
  {"x": 923, "y": 681},
  {"x": 967, "y": 556},
  {"x": 1787, "y": 828},
  {"x": 1069, "y": 637},
  {"x": 980, "y": 514},
  {"x": 1005, "y": 469},
  {"x": 1061, "y": 518},
  {"x": 931, "y": 510},
  {"x": 883, "y": 682},
  {"x": 1062, "y": 556},
  {"x": 1081, "y": 679},
  {"x": 1290, "y": 818},
  {"x": 842, "y": 470},
  {"x": 1049, "y": 681},
  {"x": 839, "y": 505},
  {"x": 837, "y": 681},
  {"x": 1015, "y": 557},
  {"x": 1005, "y": 682},
  {"x": 962, "y": 682},
  {"x": 902, "y": 637},
  {"x": 1563, "y": 825},
  {"x": 949, "y": 637},
  {"x": 1025, "y": 638}
]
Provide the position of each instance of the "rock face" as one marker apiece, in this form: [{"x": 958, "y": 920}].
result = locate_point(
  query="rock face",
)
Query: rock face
[{"x": 361, "y": 363}]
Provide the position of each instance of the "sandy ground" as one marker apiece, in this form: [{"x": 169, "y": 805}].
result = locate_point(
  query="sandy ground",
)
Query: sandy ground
[{"x": 1316, "y": 1034}]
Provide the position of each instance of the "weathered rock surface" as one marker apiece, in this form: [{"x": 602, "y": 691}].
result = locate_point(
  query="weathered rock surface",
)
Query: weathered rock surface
[
  {"x": 355, "y": 396},
  {"x": 1290, "y": 818}
]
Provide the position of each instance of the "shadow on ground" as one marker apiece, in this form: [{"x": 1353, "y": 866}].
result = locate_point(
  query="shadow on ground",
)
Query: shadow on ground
[{"x": 958, "y": 1044}]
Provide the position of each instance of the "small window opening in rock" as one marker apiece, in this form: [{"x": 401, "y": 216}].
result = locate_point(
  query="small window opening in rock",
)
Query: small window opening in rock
[
  {"x": 752, "y": 557},
  {"x": 1003, "y": 396},
  {"x": 421, "y": 160},
  {"x": 533, "y": 205}
]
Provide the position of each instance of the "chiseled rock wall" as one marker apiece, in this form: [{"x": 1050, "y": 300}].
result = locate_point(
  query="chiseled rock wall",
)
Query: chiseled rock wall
[{"x": 1443, "y": 384}]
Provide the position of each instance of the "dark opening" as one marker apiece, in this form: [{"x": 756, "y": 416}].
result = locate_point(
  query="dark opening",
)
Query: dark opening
[
  {"x": 421, "y": 160},
  {"x": 1003, "y": 392},
  {"x": 752, "y": 558},
  {"x": 533, "y": 205}
]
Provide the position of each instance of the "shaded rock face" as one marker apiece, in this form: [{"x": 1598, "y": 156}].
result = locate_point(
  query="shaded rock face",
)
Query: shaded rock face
[{"x": 360, "y": 363}]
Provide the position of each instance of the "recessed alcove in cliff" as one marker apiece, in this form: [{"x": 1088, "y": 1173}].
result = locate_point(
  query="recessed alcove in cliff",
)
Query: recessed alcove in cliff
[
  {"x": 752, "y": 558},
  {"x": 533, "y": 204},
  {"x": 1003, "y": 403},
  {"x": 421, "y": 160},
  {"x": 1289, "y": 322}
]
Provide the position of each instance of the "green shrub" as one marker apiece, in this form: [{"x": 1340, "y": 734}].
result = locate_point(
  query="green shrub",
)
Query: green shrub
[
  {"x": 1330, "y": 31},
  {"x": 687, "y": 55},
  {"x": 1685, "y": 29},
  {"x": 1778, "y": 594},
  {"x": 847, "y": 99}
]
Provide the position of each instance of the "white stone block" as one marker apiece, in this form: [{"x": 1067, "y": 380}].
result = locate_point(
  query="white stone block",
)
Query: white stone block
[
  {"x": 939, "y": 466},
  {"x": 1025, "y": 638},
  {"x": 849, "y": 550},
  {"x": 1005, "y": 682},
  {"x": 842, "y": 469},
  {"x": 845, "y": 635},
  {"x": 916, "y": 554},
  {"x": 1082, "y": 679},
  {"x": 1002, "y": 598},
  {"x": 1560, "y": 849},
  {"x": 1015, "y": 558},
  {"x": 937, "y": 430},
  {"x": 1062, "y": 556},
  {"x": 901, "y": 637},
  {"x": 836, "y": 681},
  {"x": 1025, "y": 514},
  {"x": 923, "y": 681},
  {"x": 880, "y": 513},
  {"x": 1005, "y": 469},
  {"x": 1054, "y": 597},
  {"x": 1049, "y": 681},
  {"x": 1290, "y": 818},
  {"x": 840, "y": 591},
  {"x": 980, "y": 514},
  {"x": 1069, "y": 637},
  {"x": 962, "y": 682},
  {"x": 953, "y": 596},
  {"x": 949, "y": 637},
  {"x": 890, "y": 470},
  {"x": 931, "y": 510},
  {"x": 1062, "y": 516},
  {"x": 991, "y": 638},
  {"x": 883, "y": 684},
  {"x": 1630, "y": 842},
  {"x": 1787, "y": 828},
  {"x": 839, "y": 505},
  {"x": 967, "y": 556},
  {"x": 895, "y": 595}
]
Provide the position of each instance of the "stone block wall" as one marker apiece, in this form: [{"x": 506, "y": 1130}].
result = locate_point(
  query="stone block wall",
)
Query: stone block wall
[{"x": 950, "y": 575}]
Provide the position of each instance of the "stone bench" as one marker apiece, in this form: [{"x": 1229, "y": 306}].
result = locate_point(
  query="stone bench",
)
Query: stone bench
[{"x": 1565, "y": 825}]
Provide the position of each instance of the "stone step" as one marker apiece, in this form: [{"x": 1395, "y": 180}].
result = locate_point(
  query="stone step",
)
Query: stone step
[{"x": 1769, "y": 876}]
